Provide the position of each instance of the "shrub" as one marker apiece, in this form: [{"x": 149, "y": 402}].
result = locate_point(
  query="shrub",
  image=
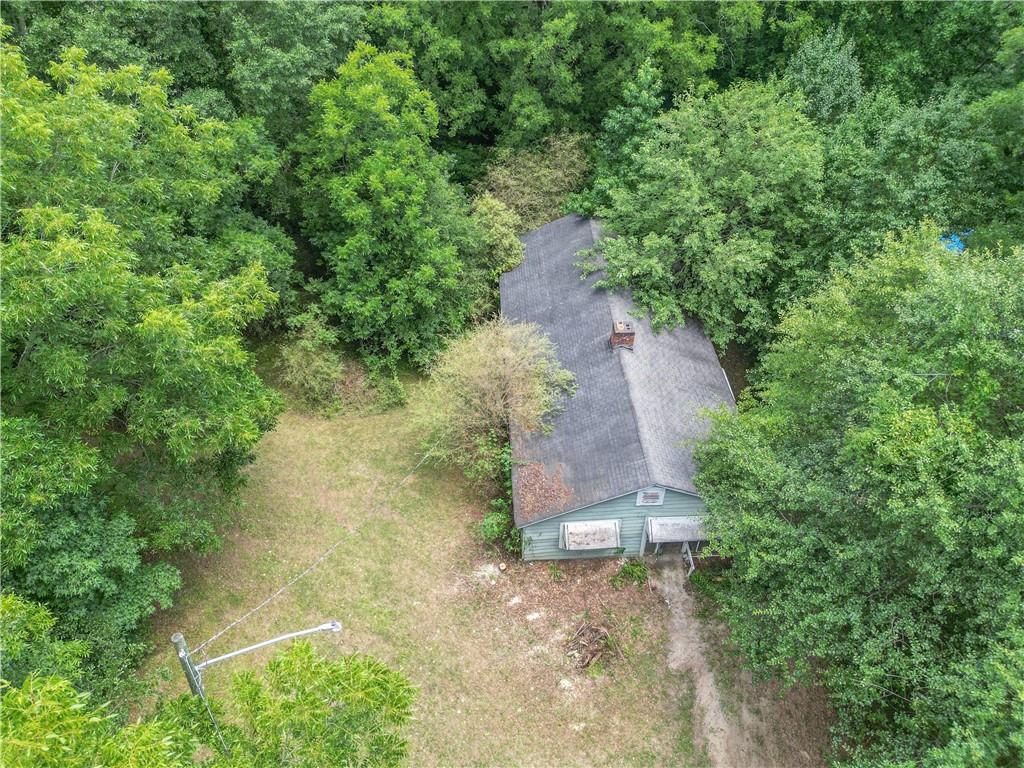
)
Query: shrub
[
  {"x": 536, "y": 184},
  {"x": 496, "y": 376},
  {"x": 498, "y": 249},
  {"x": 499, "y": 528},
  {"x": 311, "y": 365},
  {"x": 631, "y": 572}
]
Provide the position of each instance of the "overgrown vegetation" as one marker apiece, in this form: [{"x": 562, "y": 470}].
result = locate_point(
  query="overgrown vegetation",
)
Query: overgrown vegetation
[
  {"x": 871, "y": 496},
  {"x": 631, "y": 572},
  {"x": 536, "y": 184},
  {"x": 180, "y": 178},
  {"x": 498, "y": 377},
  {"x": 293, "y": 712},
  {"x": 311, "y": 364}
]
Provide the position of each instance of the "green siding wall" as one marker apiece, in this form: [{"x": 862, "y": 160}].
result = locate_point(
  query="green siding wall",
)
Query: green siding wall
[{"x": 540, "y": 540}]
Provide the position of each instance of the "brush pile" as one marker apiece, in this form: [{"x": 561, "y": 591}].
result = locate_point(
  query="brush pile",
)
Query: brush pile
[{"x": 589, "y": 643}]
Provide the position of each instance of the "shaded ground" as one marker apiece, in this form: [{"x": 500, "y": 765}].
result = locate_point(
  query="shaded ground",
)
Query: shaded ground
[
  {"x": 737, "y": 723},
  {"x": 486, "y": 647}
]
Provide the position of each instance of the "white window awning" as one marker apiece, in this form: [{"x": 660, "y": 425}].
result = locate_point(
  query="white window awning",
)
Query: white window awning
[
  {"x": 594, "y": 534},
  {"x": 662, "y": 530}
]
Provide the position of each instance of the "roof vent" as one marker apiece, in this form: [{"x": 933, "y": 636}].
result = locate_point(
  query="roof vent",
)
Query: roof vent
[{"x": 623, "y": 334}]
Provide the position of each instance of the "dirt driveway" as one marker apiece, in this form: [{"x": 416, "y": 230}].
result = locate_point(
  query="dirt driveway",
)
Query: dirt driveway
[{"x": 737, "y": 723}]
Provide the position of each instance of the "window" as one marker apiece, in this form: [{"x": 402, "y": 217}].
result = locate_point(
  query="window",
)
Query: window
[
  {"x": 650, "y": 497},
  {"x": 596, "y": 534}
]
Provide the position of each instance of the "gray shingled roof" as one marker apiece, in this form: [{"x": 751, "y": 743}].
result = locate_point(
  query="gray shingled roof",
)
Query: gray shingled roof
[{"x": 628, "y": 424}]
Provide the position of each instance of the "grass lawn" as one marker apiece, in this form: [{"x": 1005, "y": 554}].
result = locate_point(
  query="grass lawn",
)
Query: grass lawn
[{"x": 414, "y": 587}]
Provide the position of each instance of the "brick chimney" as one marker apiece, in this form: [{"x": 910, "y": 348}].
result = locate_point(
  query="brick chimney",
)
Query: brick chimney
[{"x": 623, "y": 334}]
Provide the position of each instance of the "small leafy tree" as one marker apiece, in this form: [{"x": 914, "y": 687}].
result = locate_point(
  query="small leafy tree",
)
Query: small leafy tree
[
  {"x": 311, "y": 364},
  {"x": 536, "y": 184},
  {"x": 497, "y": 251},
  {"x": 378, "y": 205},
  {"x": 825, "y": 69},
  {"x": 498, "y": 376}
]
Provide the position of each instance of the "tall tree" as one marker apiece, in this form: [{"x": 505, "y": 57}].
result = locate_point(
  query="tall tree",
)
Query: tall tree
[
  {"x": 623, "y": 132},
  {"x": 379, "y": 206},
  {"x": 714, "y": 218},
  {"x": 130, "y": 272},
  {"x": 870, "y": 493}
]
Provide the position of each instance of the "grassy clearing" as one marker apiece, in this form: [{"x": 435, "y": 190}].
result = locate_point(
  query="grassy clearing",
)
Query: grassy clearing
[{"x": 414, "y": 587}]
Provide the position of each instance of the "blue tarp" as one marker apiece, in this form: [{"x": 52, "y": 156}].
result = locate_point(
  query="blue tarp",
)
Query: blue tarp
[{"x": 954, "y": 240}]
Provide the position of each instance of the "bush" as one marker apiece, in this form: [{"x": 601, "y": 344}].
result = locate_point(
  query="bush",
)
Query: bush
[
  {"x": 498, "y": 249},
  {"x": 536, "y": 184},
  {"x": 631, "y": 572},
  {"x": 499, "y": 528},
  {"x": 496, "y": 376},
  {"x": 311, "y": 365}
]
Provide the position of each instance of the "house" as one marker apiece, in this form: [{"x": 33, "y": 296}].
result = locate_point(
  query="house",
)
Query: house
[{"x": 615, "y": 474}]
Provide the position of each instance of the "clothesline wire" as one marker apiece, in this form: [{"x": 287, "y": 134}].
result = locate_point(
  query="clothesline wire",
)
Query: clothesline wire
[{"x": 323, "y": 556}]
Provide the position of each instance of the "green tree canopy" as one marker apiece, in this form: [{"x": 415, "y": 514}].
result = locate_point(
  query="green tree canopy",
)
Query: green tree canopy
[
  {"x": 304, "y": 710},
  {"x": 715, "y": 223},
  {"x": 825, "y": 69},
  {"x": 870, "y": 494},
  {"x": 379, "y": 206},
  {"x": 130, "y": 272}
]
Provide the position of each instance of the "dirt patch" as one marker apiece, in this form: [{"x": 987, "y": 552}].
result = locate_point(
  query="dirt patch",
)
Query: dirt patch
[{"x": 737, "y": 722}]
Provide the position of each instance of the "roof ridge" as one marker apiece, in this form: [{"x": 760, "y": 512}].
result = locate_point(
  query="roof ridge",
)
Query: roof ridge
[{"x": 618, "y": 352}]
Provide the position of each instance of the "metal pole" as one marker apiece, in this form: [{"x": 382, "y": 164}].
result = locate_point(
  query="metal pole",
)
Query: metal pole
[
  {"x": 192, "y": 675},
  {"x": 330, "y": 626}
]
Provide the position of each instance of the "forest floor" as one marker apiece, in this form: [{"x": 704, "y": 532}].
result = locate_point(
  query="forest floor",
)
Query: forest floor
[{"x": 486, "y": 647}]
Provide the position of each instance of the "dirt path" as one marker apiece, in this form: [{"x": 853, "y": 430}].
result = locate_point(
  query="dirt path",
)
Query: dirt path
[{"x": 737, "y": 723}]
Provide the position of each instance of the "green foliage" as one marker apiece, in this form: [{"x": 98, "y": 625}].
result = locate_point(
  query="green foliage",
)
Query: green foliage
[
  {"x": 631, "y": 572},
  {"x": 498, "y": 525},
  {"x": 28, "y": 645},
  {"x": 499, "y": 528},
  {"x": 274, "y": 53},
  {"x": 890, "y": 165},
  {"x": 320, "y": 712},
  {"x": 498, "y": 249},
  {"x": 825, "y": 69},
  {"x": 714, "y": 222},
  {"x": 47, "y": 723},
  {"x": 378, "y": 205},
  {"x": 515, "y": 73},
  {"x": 150, "y": 35},
  {"x": 914, "y": 49},
  {"x": 623, "y": 132},
  {"x": 130, "y": 273},
  {"x": 870, "y": 494},
  {"x": 536, "y": 184},
  {"x": 303, "y": 710},
  {"x": 311, "y": 364},
  {"x": 497, "y": 377}
]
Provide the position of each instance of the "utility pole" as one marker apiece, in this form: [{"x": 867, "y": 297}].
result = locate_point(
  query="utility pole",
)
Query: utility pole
[
  {"x": 194, "y": 672},
  {"x": 195, "y": 680}
]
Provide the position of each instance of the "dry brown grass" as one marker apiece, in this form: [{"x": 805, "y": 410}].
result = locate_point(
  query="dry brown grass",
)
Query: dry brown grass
[{"x": 414, "y": 587}]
